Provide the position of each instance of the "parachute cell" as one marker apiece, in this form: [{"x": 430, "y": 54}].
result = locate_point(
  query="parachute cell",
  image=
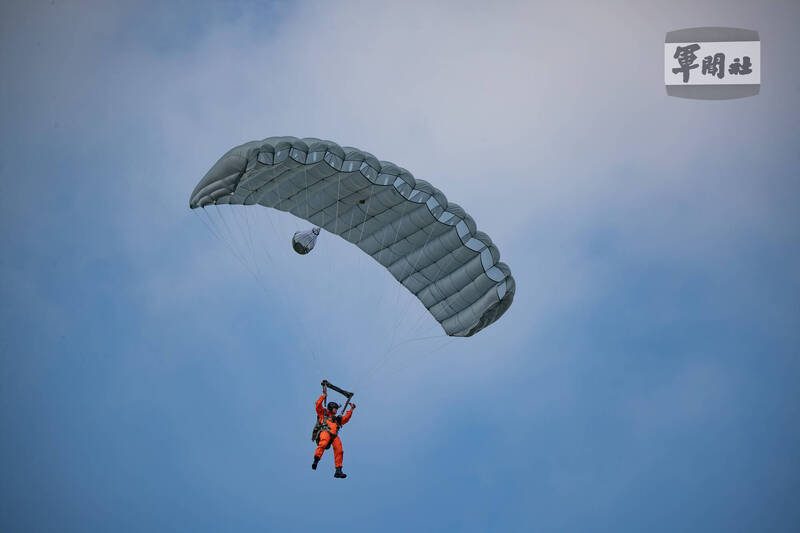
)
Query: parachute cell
[{"x": 430, "y": 245}]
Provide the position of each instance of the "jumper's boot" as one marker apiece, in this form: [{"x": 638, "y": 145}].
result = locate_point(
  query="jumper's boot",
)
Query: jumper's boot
[
  {"x": 339, "y": 472},
  {"x": 316, "y": 460}
]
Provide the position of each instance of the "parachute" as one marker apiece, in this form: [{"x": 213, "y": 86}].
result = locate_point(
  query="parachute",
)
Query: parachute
[
  {"x": 431, "y": 246},
  {"x": 304, "y": 241}
]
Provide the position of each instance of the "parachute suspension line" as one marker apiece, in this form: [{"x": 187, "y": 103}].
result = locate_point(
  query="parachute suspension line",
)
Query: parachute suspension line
[
  {"x": 349, "y": 231},
  {"x": 420, "y": 319},
  {"x": 384, "y": 247},
  {"x": 210, "y": 225},
  {"x": 228, "y": 231},
  {"x": 363, "y": 227},
  {"x": 242, "y": 248},
  {"x": 220, "y": 225},
  {"x": 350, "y": 226},
  {"x": 212, "y": 228},
  {"x": 403, "y": 313},
  {"x": 272, "y": 224},
  {"x": 323, "y": 209},
  {"x": 418, "y": 339},
  {"x": 400, "y": 225},
  {"x": 421, "y": 316},
  {"x": 399, "y": 286},
  {"x": 338, "y": 268},
  {"x": 419, "y": 355},
  {"x": 229, "y": 240},
  {"x": 359, "y": 270},
  {"x": 257, "y": 244},
  {"x": 314, "y": 338},
  {"x": 386, "y": 357},
  {"x": 308, "y": 206},
  {"x": 248, "y": 248},
  {"x": 235, "y": 253},
  {"x": 393, "y": 347},
  {"x": 262, "y": 241},
  {"x": 207, "y": 224},
  {"x": 414, "y": 360},
  {"x": 341, "y": 289},
  {"x": 278, "y": 207},
  {"x": 281, "y": 296},
  {"x": 338, "y": 199},
  {"x": 249, "y": 236},
  {"x": 230, "y": 244},
  {"x": 366, "y": 214},
  {"x": 244, "y": 231},
  {"x": 233, "y": 246},
  {"x": 253, "y": 247}
]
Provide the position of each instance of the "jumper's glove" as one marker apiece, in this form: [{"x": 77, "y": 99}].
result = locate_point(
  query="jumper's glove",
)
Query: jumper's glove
[{"x": 352, "y": 406}]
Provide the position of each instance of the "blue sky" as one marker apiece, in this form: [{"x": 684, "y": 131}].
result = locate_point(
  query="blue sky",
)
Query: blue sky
[{"x": 644, "y": 379}]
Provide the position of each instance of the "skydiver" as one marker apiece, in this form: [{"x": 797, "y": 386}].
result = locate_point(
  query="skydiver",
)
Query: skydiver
[{"x": 328, "y": 435}]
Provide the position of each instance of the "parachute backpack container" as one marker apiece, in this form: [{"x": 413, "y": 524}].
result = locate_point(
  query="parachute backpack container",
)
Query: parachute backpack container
[{"x": 429, "y": 245}]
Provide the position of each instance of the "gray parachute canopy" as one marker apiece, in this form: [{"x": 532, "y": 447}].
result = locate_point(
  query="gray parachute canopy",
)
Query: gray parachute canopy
[{"x": 429, "y": 245}]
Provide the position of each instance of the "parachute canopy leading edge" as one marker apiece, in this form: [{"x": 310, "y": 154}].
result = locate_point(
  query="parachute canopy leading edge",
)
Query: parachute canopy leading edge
[{"x": 430, "y": 245}]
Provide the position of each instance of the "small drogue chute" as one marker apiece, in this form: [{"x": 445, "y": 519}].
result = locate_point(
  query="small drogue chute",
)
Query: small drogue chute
[{"x": 304, "y": 241}]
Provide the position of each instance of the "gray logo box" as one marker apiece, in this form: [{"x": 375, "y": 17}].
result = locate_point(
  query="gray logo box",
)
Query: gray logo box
[{"x": 706, "y": 36}]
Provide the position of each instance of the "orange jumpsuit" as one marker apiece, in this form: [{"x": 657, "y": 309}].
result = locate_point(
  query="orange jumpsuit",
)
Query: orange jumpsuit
[{"x": 326, "y": 436}]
